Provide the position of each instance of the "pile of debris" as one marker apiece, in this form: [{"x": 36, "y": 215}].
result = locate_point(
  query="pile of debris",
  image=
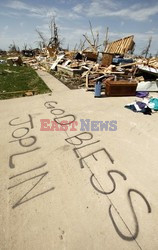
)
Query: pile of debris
[
  {"x": 119, "y": 71},
  {"x": 117, "y": 63},
  {"x": 116, "y": 70}
]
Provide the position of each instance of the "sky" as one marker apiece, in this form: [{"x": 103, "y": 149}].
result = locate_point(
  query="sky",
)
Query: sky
[{"x": 19, "y": 20}]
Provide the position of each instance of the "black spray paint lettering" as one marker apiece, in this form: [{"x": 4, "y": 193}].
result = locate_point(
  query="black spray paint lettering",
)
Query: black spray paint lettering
[
  {"x": 27, "y": 141},
  {"x": 77, "y": 141},
  {"x": 24, "y": 129},
  {"x": 79, "y": 138},
  {"x": 61, "y": 112},
  {"x": 17, "y": 124},
  {"x": 48, "y": 104},
  {"x": 82, "y": 160},
  {"x": 28, "y": 171},
  {"x": 20, "y": 138},
  {"x": 40, "y": 177},
  {"x": 64, "y": 126},
  {"x": 11, "y": 164},
  {"x": 59, "y": 120},
  {"x": 76, "y": 150},
  {"x": 135, "y": 234},
  {"x": 92, "y": 178}
]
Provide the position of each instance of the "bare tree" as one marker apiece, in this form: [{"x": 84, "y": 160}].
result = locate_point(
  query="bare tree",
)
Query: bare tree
[
  {"x": 106, "y": 39},
  {"x": 156, "y": 54},
  {"x": 25, "y": 46},
  {"x": 54, "y": 41},
  {"x": 94, "y": 44},
  {"x": 75, "y": 47},
  {"x": 145, "y": 51},
  {"x": 91, "y": 29},
  {"x": 43, "y": 41},
  {"x": 14, "y": 48}
]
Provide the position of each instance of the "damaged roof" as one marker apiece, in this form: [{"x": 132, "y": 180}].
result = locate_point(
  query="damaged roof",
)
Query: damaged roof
[{"x": 121, "y": 46}]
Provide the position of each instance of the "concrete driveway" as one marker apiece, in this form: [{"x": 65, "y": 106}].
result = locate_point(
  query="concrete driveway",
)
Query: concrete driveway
[{"x": 76, "y": 189}]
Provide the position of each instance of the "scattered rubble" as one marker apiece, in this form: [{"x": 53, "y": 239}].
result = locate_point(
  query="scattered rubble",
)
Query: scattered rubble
[
  {"x": 120, "y": 72},
  {"x": 83, "y": 69},
  {"x": 24, "y": 92},
  {"x": 16, "y": 61},
  {"x": 2, "y": 61}
]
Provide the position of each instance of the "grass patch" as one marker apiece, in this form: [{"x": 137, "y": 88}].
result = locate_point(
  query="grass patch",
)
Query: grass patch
[{"x": 19, "y": 78}]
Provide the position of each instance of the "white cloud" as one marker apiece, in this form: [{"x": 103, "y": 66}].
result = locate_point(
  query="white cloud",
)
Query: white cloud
[
  {"x": 78, "y": 8},
  {"x": 6, "y": 28},
  {"x": 142, "y": 14},
  {"x": 21, "y": 24},
  {"x": 107, "y": 8},
  {"x": 9, "y": 14},
  {"x": 99, "y": 8},
  {"x": 74, "y": 32},
  {"x": 16, "y": 5},
  {"x": 40, "y": 11}
]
